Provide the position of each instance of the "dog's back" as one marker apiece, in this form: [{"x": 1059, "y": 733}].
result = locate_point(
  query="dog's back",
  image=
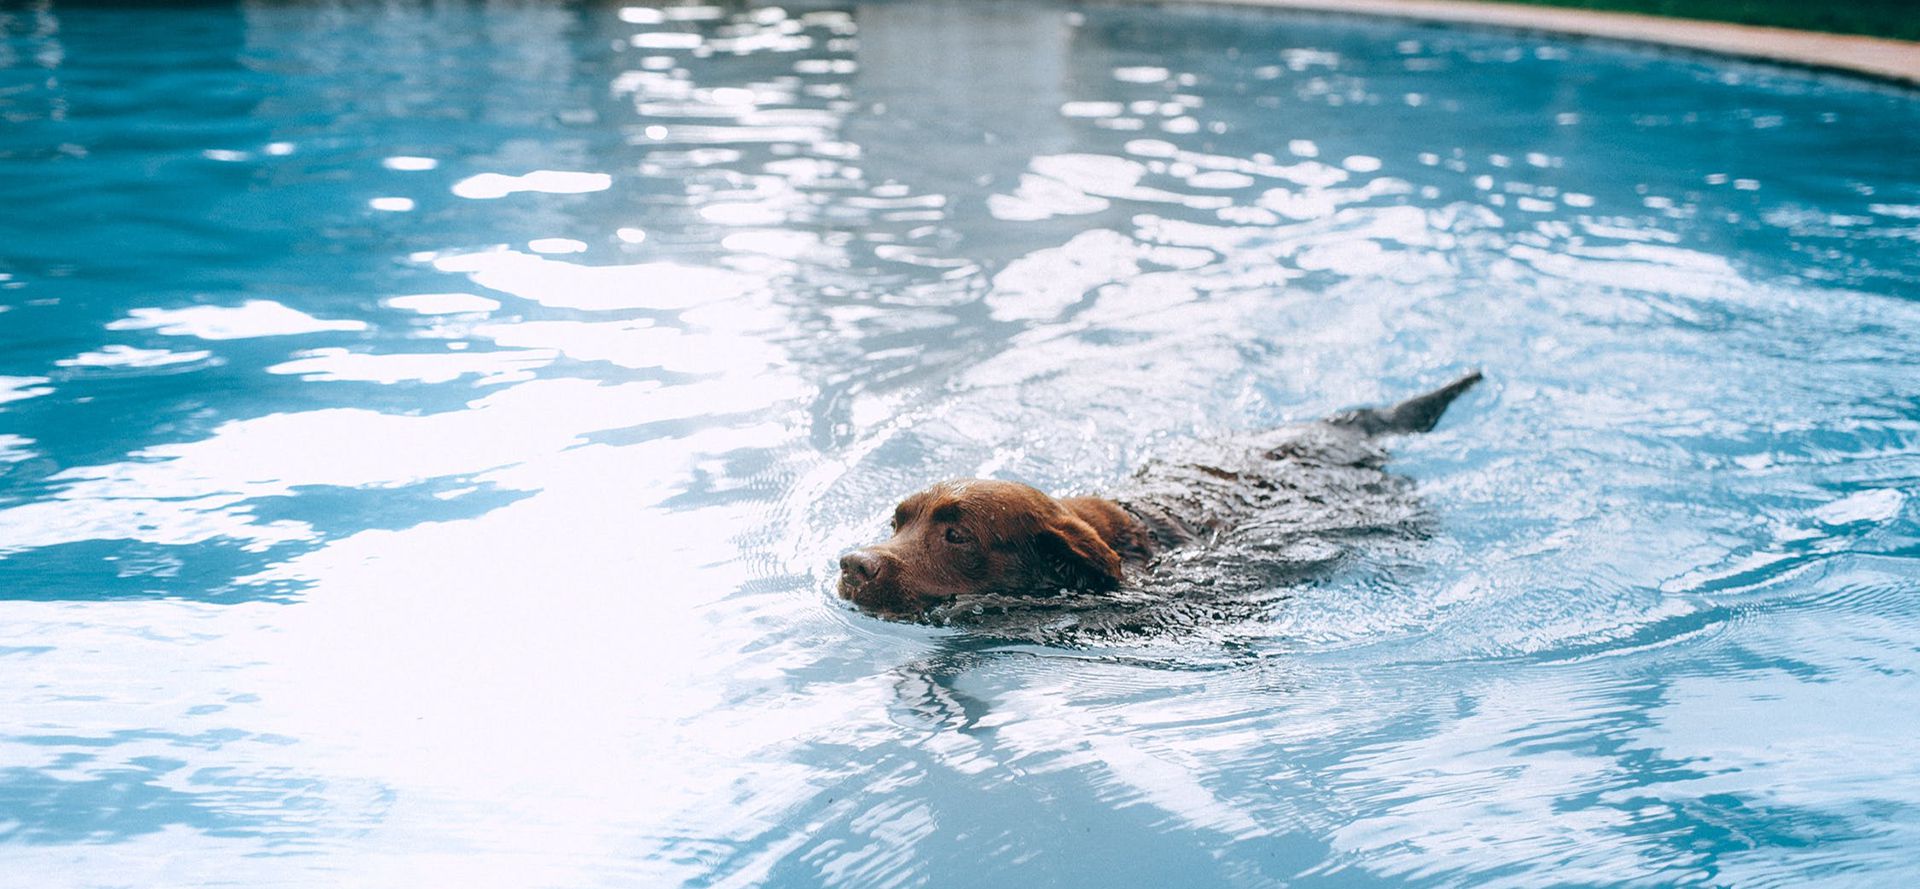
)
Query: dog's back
[
  {"x": 1235, "y": 523},
  {"x": 1313, "y": 478}
]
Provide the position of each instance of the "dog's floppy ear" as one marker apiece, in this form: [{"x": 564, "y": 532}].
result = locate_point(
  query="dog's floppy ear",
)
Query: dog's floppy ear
[{"x": 1085, "y": 561}]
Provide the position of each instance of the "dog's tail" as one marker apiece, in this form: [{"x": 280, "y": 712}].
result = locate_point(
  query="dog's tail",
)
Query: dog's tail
[{"x": 1417, "y": 414}]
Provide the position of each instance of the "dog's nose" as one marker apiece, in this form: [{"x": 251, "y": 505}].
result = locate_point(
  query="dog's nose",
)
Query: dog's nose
[{"x": 859, "y": 566}]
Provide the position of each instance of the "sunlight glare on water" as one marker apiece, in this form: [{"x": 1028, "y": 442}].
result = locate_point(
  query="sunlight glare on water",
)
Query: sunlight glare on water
[{"x": 426, "y": 434}]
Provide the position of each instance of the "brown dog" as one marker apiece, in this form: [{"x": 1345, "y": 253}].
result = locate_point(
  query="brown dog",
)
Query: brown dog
[{"x": 976, "y": 537}]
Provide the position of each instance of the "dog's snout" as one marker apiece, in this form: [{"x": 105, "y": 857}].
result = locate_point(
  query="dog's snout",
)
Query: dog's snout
[
  {"x": 859, "y": 566},
  {"x": 870, "y": 578}
]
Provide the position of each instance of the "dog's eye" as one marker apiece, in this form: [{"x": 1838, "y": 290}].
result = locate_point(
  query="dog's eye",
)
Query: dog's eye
[{"x": 958, "y": 537}]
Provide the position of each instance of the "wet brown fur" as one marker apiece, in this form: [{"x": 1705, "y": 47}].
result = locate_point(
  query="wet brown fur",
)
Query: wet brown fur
[
  {"x": 980, "y": 537},
  {"x": 975, "y": 536}
]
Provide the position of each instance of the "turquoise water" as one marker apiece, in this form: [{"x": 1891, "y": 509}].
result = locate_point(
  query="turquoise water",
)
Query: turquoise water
[{"x": 427, "y": 431}]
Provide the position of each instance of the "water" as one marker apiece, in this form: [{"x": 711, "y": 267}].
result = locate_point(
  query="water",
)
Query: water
[{"x": 428, "y": 430}]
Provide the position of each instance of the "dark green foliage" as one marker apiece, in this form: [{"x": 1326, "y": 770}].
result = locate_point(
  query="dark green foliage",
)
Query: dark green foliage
[{"x": 1880, "y": 18}]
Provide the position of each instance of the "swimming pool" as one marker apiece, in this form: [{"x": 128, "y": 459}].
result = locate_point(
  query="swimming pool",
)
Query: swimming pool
[{"x": 427, "y": 430}]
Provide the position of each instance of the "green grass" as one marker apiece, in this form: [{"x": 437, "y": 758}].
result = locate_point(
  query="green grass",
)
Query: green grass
[{"x": 1880, "y": 18}]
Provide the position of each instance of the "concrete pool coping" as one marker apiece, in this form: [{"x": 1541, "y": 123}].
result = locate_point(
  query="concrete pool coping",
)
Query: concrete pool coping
[{"x": 1878, "y": 57}]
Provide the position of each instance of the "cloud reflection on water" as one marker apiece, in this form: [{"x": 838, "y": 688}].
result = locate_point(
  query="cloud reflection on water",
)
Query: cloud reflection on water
[{"x": 532, "y": 541}]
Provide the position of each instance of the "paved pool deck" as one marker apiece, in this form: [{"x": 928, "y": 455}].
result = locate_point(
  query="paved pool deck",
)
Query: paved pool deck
[{"x": 1893, "y": 60}]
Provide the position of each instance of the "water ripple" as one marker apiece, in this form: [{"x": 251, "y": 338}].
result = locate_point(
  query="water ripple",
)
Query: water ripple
[{"x": 426, "y": 434}]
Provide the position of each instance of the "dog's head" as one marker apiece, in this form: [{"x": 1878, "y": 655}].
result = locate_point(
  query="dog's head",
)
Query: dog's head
[{"x": 975, "y": 536}]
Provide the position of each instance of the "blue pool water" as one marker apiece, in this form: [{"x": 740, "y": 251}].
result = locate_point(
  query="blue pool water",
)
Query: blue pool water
[{"x": 426, "y": 431}]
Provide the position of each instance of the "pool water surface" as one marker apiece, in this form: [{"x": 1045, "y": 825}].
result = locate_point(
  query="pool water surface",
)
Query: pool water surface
[{"x": 427, "y": 432}]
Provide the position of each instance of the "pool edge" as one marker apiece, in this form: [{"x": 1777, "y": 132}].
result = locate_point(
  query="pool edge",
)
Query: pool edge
[{"x": 1878, "y": 58}]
